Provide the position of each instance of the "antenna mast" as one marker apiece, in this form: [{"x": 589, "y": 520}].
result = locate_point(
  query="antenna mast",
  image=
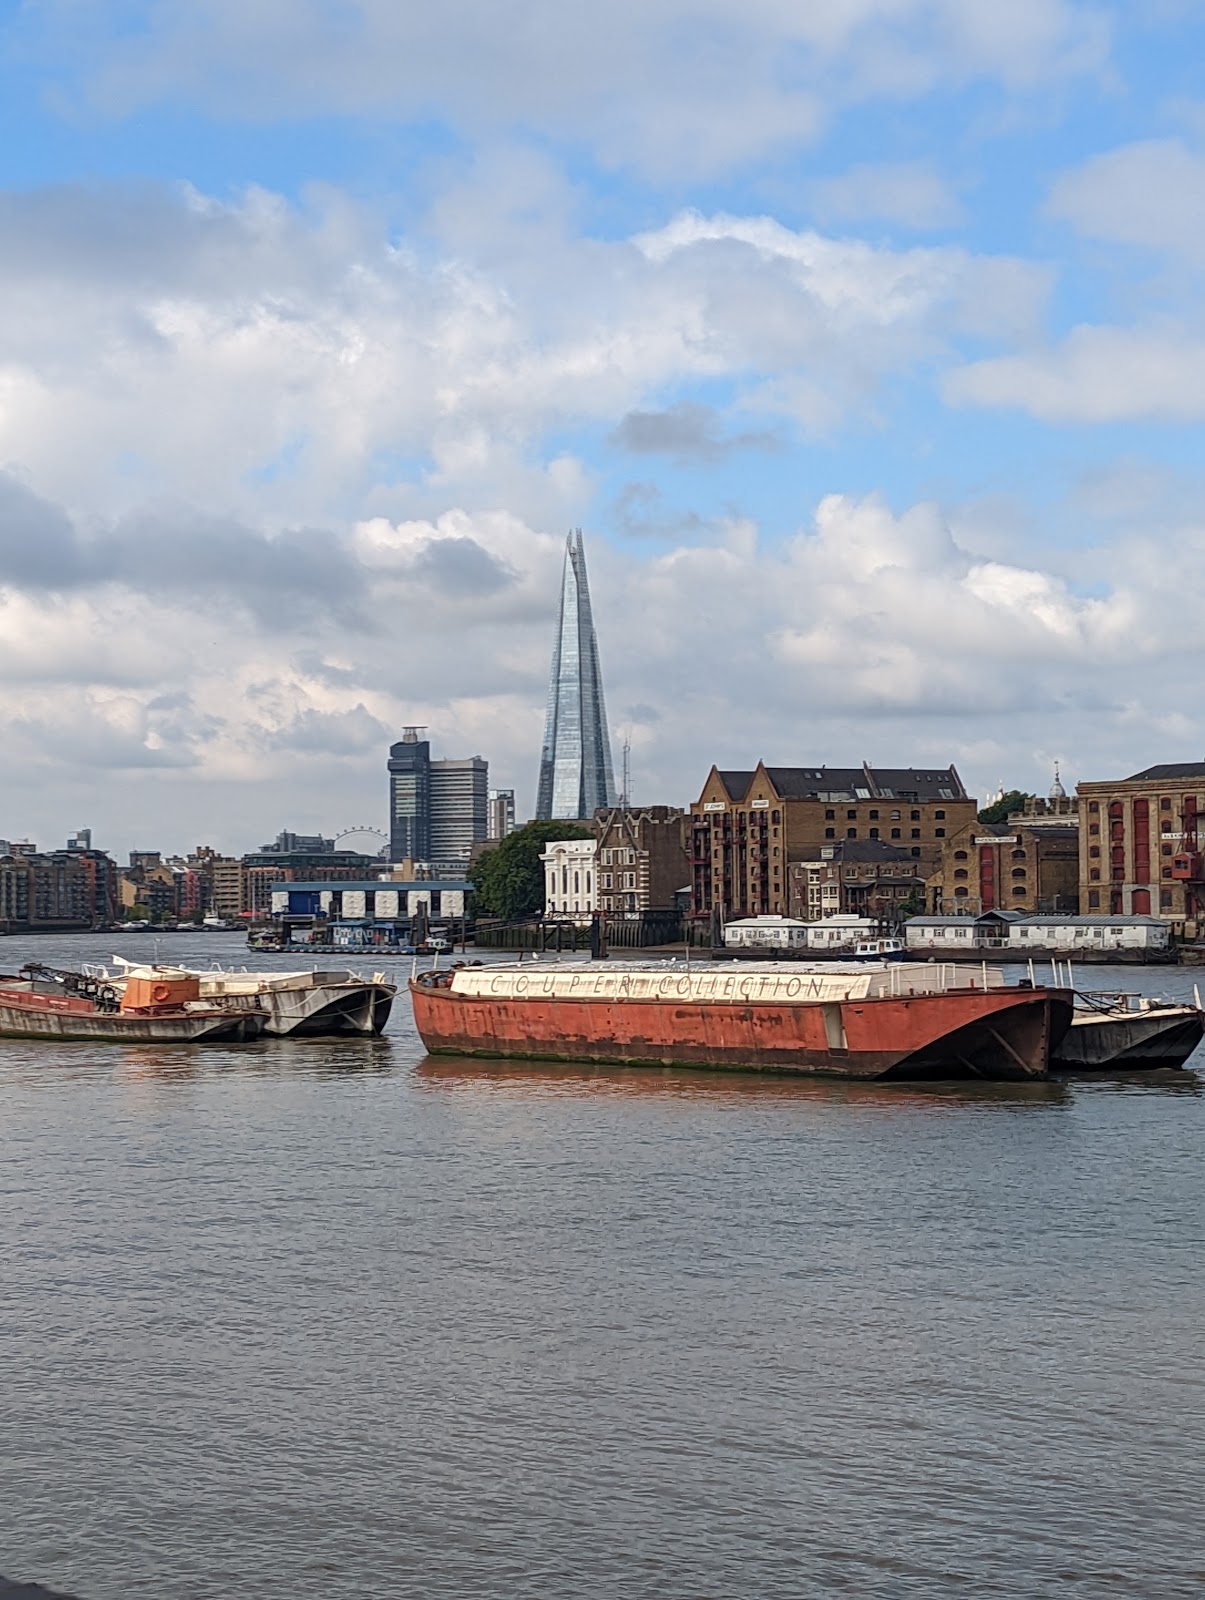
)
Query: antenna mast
[{"x": 626, "y": 798}]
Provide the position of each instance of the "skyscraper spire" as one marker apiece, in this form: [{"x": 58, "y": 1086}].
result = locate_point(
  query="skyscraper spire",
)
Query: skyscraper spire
[{"x": 575, "y": 763}]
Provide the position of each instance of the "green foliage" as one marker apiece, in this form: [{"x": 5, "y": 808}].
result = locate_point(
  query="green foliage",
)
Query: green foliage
[
  {"x": 508, "y": 881},
  {"x": 1014, "y": 800}
]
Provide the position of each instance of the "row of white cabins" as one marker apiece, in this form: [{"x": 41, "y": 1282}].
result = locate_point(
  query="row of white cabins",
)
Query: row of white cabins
[
  {"x": 572, "y": 874},
  {"x": 994, "y": 931}
]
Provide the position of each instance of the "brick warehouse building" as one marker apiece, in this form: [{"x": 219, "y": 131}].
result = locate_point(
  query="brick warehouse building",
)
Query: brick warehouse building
[
  {"x": 747, "y": 827},
  {"x": 643, "y": 859},
  {"x": 1024, "y": 864},
  {"x": 864, "y": 877},
  {"x": 1141, "y": 843}
]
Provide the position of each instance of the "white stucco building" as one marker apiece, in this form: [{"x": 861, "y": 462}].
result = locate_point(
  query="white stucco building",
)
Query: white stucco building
[{"x": 570, "y": 877}]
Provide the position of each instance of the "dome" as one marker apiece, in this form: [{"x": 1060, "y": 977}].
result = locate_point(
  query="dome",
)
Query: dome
[{"x": 1057, "y": 792}]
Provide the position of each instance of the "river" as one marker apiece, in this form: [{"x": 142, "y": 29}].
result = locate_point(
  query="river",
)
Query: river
[{"x": 325, "y": 1319}]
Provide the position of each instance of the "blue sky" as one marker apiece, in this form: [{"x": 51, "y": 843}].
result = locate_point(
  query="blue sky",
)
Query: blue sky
[{"x": 864, "y": 339}]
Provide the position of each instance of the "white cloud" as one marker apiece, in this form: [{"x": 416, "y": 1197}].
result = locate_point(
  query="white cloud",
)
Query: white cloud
[
  {"x": 671, "y": 86},
  {"x": 1150, "y": 194},
  {"x": 294, "y": 364},
  {"x": 1094, "y": 375},
  {"x": 909, "y": 193}
]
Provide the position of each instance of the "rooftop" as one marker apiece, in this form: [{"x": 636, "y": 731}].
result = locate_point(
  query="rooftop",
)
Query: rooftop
[
  {"x": 1174, "y": 769},
  {"x": 373, "y": 883},
  {"x": 853, "y": 783},
  {"x": 865, "y": 850},
  {"x": 736, "y": 783}
]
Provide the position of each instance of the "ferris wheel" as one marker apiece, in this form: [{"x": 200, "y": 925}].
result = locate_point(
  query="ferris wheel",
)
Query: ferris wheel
[{"x": 365, "y": 840}]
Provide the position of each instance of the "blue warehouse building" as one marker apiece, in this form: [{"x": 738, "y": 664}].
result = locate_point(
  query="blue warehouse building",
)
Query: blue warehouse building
[{"x": 372, "y": 914}]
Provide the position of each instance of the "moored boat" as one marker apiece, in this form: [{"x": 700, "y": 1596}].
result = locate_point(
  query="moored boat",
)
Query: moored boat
[
  {"x": 45, "y": 1003},
  {"x": 1128, "y": 1032},
  {"x": 317, "y": 1004},
  {"x": 900, "y": 1020},
  {"x": 879, "y": 950}
]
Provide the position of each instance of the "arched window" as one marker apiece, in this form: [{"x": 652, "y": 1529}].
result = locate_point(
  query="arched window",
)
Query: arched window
[
  {"x": 960, "y": 855},
  {"x": 1018, "y": 872},
  {"x": 960, "y": 872},
  {"x": 1018, "y": 888},
  {"x": 1018, "y": 855},
  {"x": 960, "y": 892}
]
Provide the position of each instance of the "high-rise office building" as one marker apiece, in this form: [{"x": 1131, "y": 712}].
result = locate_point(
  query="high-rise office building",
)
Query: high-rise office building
[
  {"x": 410, "y": 797},
  {"x": 575, "y": 763},
  {"x": 459, "y": 810},
  {"x": 502, "y": 813},
  {"x": 438, "y": 810}
]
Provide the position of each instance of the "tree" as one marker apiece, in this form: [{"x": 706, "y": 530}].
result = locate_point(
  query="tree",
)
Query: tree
[
  {"x": 1014, "y": 800},
  {"x": 508, "y": 881}
]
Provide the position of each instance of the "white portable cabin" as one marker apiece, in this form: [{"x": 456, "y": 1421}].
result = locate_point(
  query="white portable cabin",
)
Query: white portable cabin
[
  {"x": 1038, "y": 935},
  {"x": 839, "y": 932},
  {"x": 1089, "y": 933},
  {"x": 766, "y": 933},
  {"x": 790, "y": 933}
]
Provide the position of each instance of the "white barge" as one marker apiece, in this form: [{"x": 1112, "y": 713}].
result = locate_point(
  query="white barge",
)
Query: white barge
[{"x": 313, "y": 1004}]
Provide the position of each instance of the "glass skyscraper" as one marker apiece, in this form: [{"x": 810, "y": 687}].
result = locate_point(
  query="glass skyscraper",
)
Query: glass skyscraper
[{"x": 575, "y": 764}]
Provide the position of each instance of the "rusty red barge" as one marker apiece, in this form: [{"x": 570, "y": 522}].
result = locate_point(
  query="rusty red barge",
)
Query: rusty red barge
[{"x": 895, "y": 1019}]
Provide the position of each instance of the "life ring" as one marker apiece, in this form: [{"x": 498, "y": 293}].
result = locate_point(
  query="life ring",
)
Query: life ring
[{"x": 160, "y": 993}]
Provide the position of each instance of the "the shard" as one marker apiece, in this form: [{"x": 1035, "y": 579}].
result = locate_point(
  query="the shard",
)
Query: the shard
[{"x": 575, "y": 764}]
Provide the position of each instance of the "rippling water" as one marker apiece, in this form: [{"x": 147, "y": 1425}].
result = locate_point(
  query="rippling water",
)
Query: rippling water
[{"x": 324, "y": 1319}]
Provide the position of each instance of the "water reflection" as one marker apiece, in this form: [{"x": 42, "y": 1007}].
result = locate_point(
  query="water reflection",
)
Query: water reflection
[
  {"x": 140, "y": 1063},
  {"x": 543, "y": 1078},
  {"x": 1159, "y": 1080}
]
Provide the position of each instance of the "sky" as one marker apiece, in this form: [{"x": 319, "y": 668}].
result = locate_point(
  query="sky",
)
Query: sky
[{"x": 864, "y": 339}]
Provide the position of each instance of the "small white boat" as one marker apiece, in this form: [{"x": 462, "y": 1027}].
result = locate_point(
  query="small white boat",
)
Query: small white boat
[{"x": 878, "y": 950}]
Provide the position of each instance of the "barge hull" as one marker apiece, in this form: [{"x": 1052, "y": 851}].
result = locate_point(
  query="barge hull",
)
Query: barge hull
[
  {"x": 1005, "y": 1034},
  {"x": 1145, "y": 1039},
  {"x": 17, "y": 1022}
]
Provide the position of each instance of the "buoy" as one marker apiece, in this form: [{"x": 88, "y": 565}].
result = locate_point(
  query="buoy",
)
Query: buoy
[{"x": 160, "y": 993}]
